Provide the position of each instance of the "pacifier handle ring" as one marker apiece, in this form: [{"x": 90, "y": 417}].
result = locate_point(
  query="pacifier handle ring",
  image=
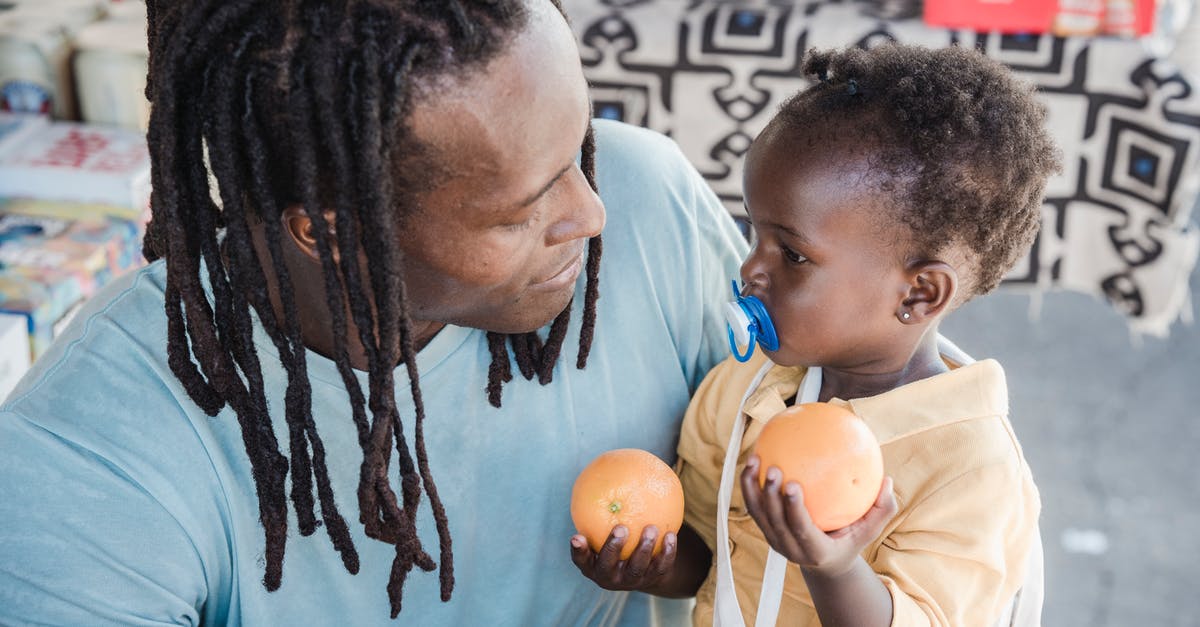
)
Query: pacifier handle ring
[{"x": 749, "y": 348}]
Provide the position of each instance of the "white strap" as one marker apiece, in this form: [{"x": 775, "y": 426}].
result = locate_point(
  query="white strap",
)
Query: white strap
[
  {"x": 771, "y": 593},
  {"x": 726, "y": 610},
  {"x": 951, "y": 351}
]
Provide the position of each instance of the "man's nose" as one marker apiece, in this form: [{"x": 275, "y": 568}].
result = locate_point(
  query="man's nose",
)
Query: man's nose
[{"x": 582, "y": 213}]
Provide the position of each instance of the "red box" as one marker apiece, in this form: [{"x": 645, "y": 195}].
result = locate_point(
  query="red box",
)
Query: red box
[
  {"x": 1129, "y": 18},
  {"x": 1006, "y": 16}
]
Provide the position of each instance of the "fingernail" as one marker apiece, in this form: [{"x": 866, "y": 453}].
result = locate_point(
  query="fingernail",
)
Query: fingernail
[
  {"x": 773, "y": 475},
  {"x": 619, "y": 532},
  {"x": 577, "y": 542},
  {"x": 793, "y": 491}
]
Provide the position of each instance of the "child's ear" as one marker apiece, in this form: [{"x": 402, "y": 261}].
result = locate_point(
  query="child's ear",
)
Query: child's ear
[
  {"x": 299, "y": 228},
  {"x": 932, "y": 286}
]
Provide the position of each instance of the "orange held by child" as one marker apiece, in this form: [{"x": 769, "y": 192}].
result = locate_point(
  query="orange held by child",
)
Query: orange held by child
[
  {"x": 629, "y": 487},
  {"x": 831, "y": 453}
]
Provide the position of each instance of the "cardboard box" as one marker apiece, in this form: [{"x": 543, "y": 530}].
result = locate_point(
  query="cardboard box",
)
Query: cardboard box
[
  {"x": 1005, "y": 16},
  {"x": 80, "y": 163},
  {"x": 15, "y": 128}
]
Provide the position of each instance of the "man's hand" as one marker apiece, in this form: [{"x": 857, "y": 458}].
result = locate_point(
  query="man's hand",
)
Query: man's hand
[
  {"x": 788, "y": 528},
  {"x": 642, "y": 571}
]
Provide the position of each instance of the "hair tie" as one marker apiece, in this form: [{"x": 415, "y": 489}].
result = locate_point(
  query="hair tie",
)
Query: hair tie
[{"x": 851, "y": 87}]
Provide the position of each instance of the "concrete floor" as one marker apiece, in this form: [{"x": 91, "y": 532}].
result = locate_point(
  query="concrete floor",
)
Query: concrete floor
[{"x": 1111, "y": 427}]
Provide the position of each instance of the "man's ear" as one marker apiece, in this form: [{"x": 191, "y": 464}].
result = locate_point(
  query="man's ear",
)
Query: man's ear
[
  {"x": 932, "y": 286},
  {"x": 301, "y": 231}
]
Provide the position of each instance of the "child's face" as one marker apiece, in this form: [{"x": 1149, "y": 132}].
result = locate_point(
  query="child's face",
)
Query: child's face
[{"x": 826, "y": 260}]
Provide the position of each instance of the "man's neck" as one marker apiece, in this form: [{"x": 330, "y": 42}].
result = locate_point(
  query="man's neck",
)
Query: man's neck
[{"x": 424, "y": 332}]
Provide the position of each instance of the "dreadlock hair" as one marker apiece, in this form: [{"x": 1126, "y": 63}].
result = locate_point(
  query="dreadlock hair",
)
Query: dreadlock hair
[
  {"x": 959, "y": 142},
  {"x": 243, "y": 91}
]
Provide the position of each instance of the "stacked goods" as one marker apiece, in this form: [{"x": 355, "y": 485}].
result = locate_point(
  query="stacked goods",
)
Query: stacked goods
[
  {"x": 73, "y": 200},
  {"x": 73, "y": 197},
  {"x": 53, "y": 257}
]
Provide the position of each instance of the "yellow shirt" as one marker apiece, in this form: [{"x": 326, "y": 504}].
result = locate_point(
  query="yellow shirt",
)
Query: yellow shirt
[{"x": 955, "y": 552}]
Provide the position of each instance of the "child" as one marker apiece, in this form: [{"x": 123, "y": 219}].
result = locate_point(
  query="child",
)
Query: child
[{"x": 903, "y": 183}]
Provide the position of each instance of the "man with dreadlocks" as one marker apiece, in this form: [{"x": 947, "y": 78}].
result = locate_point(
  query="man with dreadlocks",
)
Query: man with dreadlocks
[{"x": 402, "y": 204}]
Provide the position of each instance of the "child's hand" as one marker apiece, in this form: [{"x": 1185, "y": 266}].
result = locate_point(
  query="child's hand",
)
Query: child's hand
[
  {"x": 640, "y": 572},
  {"x": 785, "y": 523}
]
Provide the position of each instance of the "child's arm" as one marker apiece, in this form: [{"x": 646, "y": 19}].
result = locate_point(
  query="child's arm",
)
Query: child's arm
[
  {"x": 676, "y": 572},
  {"x": 845, "y": 590}
]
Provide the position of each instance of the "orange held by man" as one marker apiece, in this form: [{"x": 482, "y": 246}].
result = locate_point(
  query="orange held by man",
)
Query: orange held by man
[
  {"x": 629, "y": 487},
  {"x": 831, "y": 453}
]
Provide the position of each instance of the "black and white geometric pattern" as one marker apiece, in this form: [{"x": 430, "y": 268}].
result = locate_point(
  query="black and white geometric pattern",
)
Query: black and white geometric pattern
[{"x": 1116, "y": 222}]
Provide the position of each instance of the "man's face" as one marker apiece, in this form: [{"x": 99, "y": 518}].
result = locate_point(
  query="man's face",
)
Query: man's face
[{"x": 499, "y": 242}]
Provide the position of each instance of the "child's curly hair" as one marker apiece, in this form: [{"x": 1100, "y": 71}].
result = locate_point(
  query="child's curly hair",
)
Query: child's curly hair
[{"x": 960, "y": 141}]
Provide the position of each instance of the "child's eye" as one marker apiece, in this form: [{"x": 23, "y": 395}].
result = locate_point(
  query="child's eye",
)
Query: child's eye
[{"x": 792, "y": 255}]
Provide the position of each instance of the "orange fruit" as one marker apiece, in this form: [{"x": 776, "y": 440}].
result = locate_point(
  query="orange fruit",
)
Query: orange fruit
[
  {"x": 831, "y": 453},
  {"x": 628, "y": 487}
]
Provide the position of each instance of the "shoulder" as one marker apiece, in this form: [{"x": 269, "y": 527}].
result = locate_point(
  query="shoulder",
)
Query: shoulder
[
  {"x": 102, "y": 427},
  {"x": 108, "y": 370},
  {"x": 667, "y": 238},
  {"x": 647, "y": 183},
  {"x": 104, "y": 391},
  {"x": 969, "y": 397},
  {"x": 618, "y": 143},
  {"x": 956, "y": 424},
  {"x": 124, "y": 319},
  {"x": 644, "y": 172}
]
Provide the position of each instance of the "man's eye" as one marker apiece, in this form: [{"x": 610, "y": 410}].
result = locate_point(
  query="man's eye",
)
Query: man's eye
[
  {"x": 519, "y": 226},
  {"x": 792, "y": 255},
  {"x": 530, "y": 218}
]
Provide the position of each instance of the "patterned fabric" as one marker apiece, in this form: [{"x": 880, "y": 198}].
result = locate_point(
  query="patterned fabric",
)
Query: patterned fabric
[{"x": 1115, "y": 223}]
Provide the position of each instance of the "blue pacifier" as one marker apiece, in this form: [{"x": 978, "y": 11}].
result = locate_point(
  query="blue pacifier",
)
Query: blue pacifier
[{"x": 748, "y": 322}]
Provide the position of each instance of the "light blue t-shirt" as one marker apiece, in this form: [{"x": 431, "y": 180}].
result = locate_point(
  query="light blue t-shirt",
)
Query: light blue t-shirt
[{"x": 122, "y": 503}]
